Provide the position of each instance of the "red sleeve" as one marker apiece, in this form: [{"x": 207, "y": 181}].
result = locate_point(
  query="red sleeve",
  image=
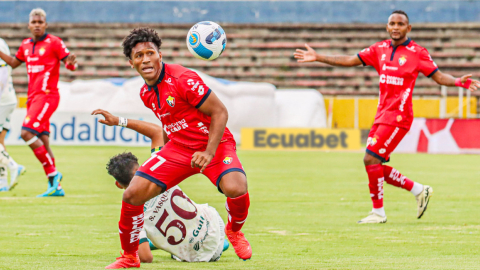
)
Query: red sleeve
[
  {"x": 193, "y": 89},
  {"x": 20, "y": 54},
  {"x": 426, "y": 64},
  {"x": 369, "y": 57},
  {"x": 61, "y": 50}
]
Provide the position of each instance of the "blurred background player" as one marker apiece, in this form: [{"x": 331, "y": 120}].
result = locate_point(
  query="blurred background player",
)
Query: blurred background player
[
  {"x": 8, "y": 102},
  {"x": 398, "y": 62},
  {"x": 199, "y": 235},
  {"x": 42, "y": 54},
  {"x": 196, "y": 141}
]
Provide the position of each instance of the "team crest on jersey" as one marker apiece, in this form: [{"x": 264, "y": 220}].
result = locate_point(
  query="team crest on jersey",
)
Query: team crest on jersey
[
  {"x": 27, "y": 119},
  {"x": 171, "y": 101},
  {"x": 227, "y": 160},
  {"x": 42, "y": 51},
  {"x": 402, "y": 60},
  {"x": 399, "y": 118}
]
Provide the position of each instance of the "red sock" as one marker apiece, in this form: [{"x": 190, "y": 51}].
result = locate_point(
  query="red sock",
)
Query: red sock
[
  {"x": 375, "y": 183},
  {"x": 130, "y": 225},
  {"x": 237, "y": 209},
  {"x": 395, "y": 178},
  {"x": 44, "y": 158}
]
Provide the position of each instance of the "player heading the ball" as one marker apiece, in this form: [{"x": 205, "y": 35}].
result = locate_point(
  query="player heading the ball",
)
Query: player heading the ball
[
  {"x": 42, "y": 54},
  {"x": 196, "y": 141},
  {"x": 398, "y": 61}
]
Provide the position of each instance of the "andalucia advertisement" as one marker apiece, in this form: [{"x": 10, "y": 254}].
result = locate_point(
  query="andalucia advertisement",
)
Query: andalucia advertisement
[{"x": 300, "y": 139}]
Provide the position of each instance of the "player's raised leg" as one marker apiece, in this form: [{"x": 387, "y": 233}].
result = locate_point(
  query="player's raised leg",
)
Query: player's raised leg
[
  {"x": 234, "y": 186},
  {"x": 130, "y": 225}
]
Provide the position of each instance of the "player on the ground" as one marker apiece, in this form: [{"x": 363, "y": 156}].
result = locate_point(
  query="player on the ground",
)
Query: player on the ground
[
  {"x": 42, "y": 54},
  {"x": 398, "y": 62},
  {"x": 197, "y": 141},
  {"x": 8, "y": 102},
  {"x": 197, "y": 235}
]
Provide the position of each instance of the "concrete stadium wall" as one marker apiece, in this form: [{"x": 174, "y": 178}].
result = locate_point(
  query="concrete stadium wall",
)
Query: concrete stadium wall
[{"x": 372, "y": 11}]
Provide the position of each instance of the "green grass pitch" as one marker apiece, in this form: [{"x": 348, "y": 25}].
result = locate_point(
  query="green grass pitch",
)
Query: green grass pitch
[{"x": 304, "y": 208}]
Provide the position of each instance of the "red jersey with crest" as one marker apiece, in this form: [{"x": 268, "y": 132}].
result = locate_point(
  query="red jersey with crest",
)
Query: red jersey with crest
[
  {"x": 398, "y": 68},
  {"x": 43, "y": 63},
  {"x": 175, "y": 100}
]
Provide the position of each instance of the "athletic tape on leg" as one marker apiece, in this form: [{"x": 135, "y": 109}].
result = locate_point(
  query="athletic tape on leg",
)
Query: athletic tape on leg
[{"x": 32, "y": 140}]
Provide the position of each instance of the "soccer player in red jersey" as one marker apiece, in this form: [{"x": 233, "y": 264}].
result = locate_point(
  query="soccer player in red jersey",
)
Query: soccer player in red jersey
[
  {"x": 42, "y": 54},
  {"x": 196, "y": 141},
  {"x": 398, "y": 62}
]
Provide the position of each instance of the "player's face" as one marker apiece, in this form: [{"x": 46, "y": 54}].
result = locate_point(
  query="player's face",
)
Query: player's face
[
  {"x": 398, "y": 26},
  {"x": 37, "y": 25},
  {"x": 147, "y": 60}
]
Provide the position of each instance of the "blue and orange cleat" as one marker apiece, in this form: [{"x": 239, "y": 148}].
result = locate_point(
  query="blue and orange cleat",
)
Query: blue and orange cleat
[
  {"x": 240, "y": 244},
  {"x": 54, "y": 190},
  {"x": 125, "y": 261}
]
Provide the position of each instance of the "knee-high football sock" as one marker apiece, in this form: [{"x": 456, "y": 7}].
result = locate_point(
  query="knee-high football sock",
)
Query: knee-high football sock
[
  {"x": 375, "y": 184},
  {"x": 47, "y": 162},
  {"x": 130, "y": 225},
  {"x": 395, "y": 178},
  {"x": 237, "y": 209}
]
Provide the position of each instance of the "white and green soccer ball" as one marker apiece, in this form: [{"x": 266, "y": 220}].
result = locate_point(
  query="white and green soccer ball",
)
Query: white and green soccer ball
[{"x": 206, "y": 40}]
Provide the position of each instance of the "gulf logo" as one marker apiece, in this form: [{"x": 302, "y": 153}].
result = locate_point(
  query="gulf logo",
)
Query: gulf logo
[
  {"x": 194, "y": 39},
  {"x": 227, "y": 160}
]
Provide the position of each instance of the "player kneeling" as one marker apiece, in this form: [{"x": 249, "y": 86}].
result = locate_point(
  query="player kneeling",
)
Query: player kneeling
[{"x": 190, "y": 232}]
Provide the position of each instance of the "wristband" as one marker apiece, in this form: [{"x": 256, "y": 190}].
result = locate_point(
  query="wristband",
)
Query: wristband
[
  {"x": 466, "y": 85},
  {"x": 122, "y": 121},
  {"x": 71, "y": 67}
]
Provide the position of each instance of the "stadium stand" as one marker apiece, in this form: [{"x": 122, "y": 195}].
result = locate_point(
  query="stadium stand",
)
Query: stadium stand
[{"x": 263, "y": 52}]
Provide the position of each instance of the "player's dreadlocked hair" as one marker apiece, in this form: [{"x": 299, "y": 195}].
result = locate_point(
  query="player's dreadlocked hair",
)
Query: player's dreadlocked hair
[
  {"x": 402, "y": 13},
  {"x": 138, "y": 35},
  {"x": 121, "y": 167}
]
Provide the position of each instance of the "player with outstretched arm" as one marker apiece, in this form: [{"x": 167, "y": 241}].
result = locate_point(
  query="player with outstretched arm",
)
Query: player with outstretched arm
[
  {"x": 398, "y": 61},
  {"x": 42, "y": 54},
  {"x": 196, "y": 141},
  {"x": 196, "y": 233}
]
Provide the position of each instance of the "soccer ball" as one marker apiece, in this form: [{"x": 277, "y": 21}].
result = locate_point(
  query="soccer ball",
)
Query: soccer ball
[{"x": 206, "y": 40}]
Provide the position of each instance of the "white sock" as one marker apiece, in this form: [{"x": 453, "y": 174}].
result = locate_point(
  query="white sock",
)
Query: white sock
[
  {"x": 416, "y": 189},
  {"x": 379, "y": 211},
  {"x": 3, "y": 182}
]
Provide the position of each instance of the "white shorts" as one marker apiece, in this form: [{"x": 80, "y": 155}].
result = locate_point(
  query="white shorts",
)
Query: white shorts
[{"x": 5, "y": 116}]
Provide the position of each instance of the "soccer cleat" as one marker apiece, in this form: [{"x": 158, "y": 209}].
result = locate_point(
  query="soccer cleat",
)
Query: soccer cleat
[
  {"x": 15, "y": 172},
  {"x": 373, "y": 218},
  {"x": 53, "y": 192},
  {"x": 2, "y": 189},
  {"x": 240, "y": 244},
  {"x": 422, "y": 200},
  {"x": 125, "y": 261},
  {"x": 226, "y": 245}
]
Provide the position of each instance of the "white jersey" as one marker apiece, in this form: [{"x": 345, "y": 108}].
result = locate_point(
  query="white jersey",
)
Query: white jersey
[
  {"x": 8, "y": 96},
  {"x": 191, "y": 232}
]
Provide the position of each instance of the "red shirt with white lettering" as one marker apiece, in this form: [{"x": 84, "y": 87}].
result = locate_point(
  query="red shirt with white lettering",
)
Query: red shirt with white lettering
[
  {"x": 175, "y": 100},
  {"x": 43, "y": 63},
  {"x": 398, "y": 68}
]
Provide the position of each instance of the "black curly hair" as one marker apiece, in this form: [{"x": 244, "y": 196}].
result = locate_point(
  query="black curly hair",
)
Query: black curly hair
[
  {"x": 401, "y": 12},
  {"x": 121, "y": 167},
  {"x": 139, "y": 35}
]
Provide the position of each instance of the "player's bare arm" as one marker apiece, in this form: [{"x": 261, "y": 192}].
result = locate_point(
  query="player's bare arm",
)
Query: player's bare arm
[
  {"x": 214, "y": 108},
  {"x": 310, "y": 55},
  {"x": 448, "y": 80},
  {"x": 152, "y": 131},
  {"x": 145, "y": 253},
  {"x": 10, "y": 60}
]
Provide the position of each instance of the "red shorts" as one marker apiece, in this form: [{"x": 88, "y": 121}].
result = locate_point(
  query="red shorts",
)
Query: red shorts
[
  {"x": 171, "y": 165},
  {"x": 39, "y": 110},
  {"x": 383, "y": 139}
]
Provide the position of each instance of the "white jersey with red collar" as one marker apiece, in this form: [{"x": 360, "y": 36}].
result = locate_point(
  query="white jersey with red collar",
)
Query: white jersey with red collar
[
  {"x": 398, "y": 68},
  {"x": 175, "y": 100}
]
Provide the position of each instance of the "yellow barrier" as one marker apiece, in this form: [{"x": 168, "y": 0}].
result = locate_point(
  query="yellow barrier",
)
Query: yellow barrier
[
  {"x": 343, "y": 109},
  {"x": 300, "y": 139}
]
